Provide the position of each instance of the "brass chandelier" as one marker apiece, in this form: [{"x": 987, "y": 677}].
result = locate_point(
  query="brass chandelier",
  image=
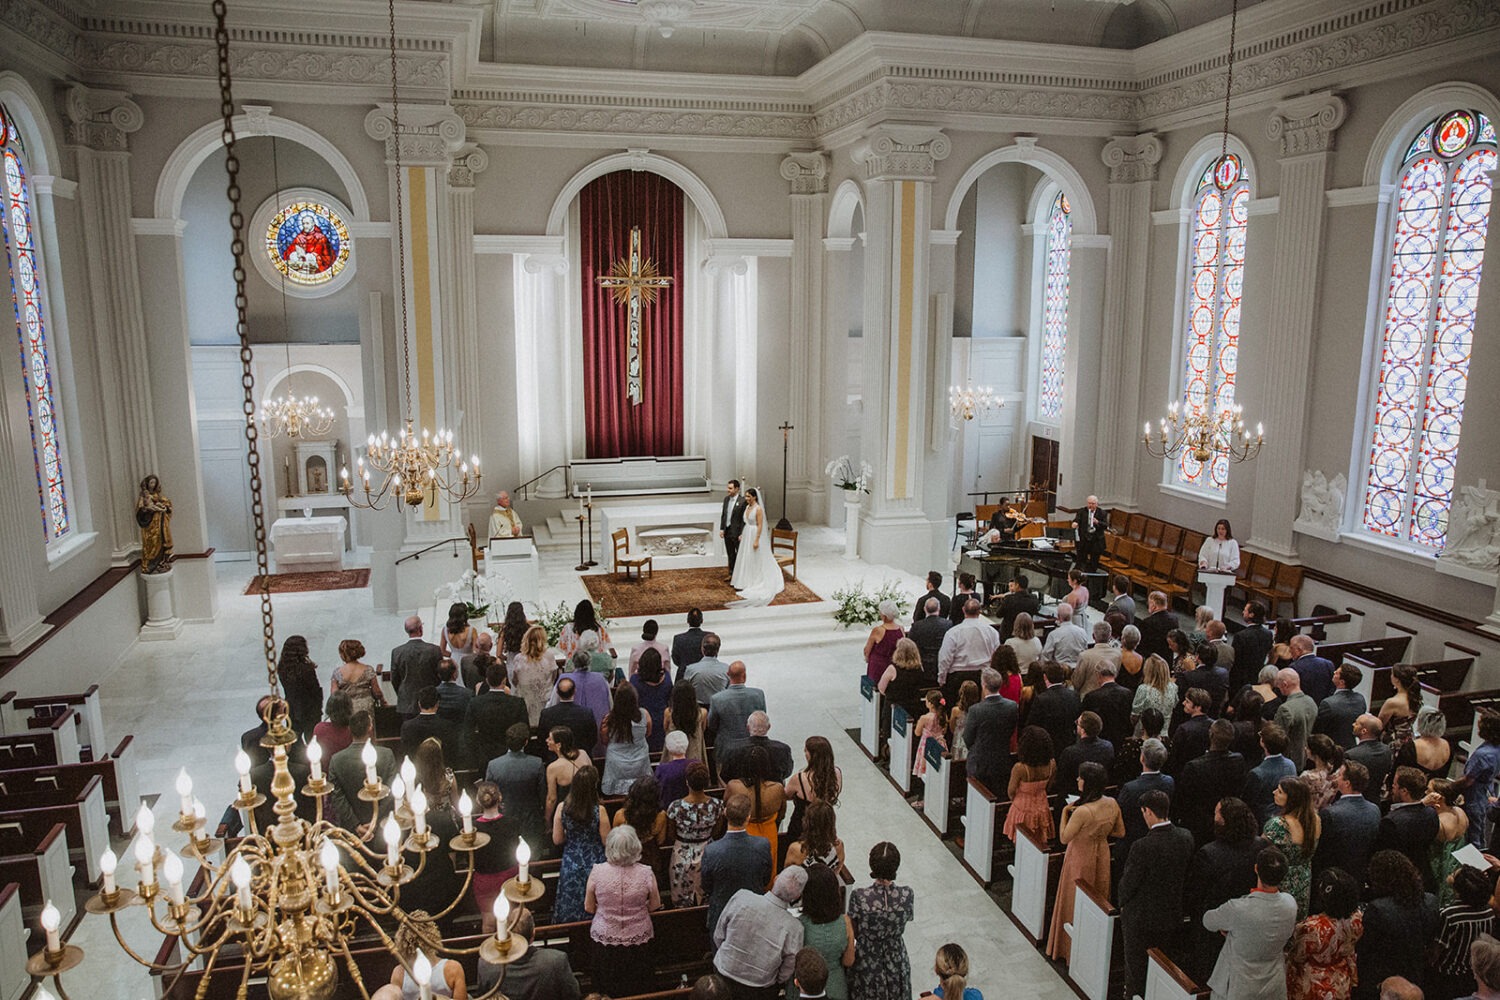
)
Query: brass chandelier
[
  {"x": 286, "y": 903},
  {"x": 406, "y": 467},
  {"x": 970, "y": 401},
  {"x": 1204, "y": 433}
]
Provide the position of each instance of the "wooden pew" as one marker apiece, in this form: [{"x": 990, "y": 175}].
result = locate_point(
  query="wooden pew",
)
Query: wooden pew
[
  {"x": 902, "y": 746},
  {"x": 14, "y": 981},
  {"x": 55, "y": 743},
  {"x": 87, "y": 715},
  {"x": 80, "y": 809},
  {"x": 10, "y": 720},
  {"x": 937, "y": 797},
  {"x": 1092, "y": 931},
  {"x": 1386, "y": 651},
  {"x": 869, "y": 716},
  {"x": 1443, "y": 676},
  {"x": 121, "y": 786},
  {"x": 40, "y": 870},
  {"x": 1165, "y": 981},
  {"x": 1316, "y": 624},
  {"x": 1030, "y": 891}
]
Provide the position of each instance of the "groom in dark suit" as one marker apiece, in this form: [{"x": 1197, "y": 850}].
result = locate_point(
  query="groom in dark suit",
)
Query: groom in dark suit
[{"x": 732, "y": 521}]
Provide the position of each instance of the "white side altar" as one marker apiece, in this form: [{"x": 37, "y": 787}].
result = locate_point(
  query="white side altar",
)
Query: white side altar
[
  {"x": 515, "y": 561},
  {"x": 680, "y": 529},
  {"x": 308, "y": 544}
]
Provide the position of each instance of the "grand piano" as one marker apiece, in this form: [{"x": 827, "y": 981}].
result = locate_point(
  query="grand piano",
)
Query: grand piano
[{"x": 1037, "y": 546}]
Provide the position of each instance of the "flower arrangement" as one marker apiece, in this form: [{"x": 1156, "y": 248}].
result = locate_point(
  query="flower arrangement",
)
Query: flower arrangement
[
  {"x": 858, "y": 606},
  {"x": 841, "y": 471},
  {"x": 553, "y": 619},
  {"x": 477, "y": 591}
]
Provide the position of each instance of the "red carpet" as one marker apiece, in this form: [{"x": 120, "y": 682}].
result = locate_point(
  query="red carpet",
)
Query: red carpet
[
  {"x": 678, "y": 591},
  {"x": 302, "y": 583}
]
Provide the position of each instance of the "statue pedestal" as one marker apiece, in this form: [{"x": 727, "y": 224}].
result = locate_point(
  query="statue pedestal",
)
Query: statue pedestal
[
  {"x": 161, "y": 617},
  {"x": 851, "y": 528}
]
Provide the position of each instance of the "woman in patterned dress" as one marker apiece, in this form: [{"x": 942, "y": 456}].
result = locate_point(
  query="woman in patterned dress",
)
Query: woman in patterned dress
[
  {"x": 690, "y": 825},
  {"x": 579, "y": 828},
  {"x": 356, "y": 679},
  {"x": 1296, "y": 832},
  {"x": 1320, "y": 959},
  {"x": 968, "y": 697},
  {"x": 584, "y": 620},
  {"x": 879, "y": 914},
  {"x": 1157, "y": 690},
  {"x": 531, "y": 674}
]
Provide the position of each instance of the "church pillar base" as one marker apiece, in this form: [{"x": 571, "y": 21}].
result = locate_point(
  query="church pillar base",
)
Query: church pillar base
[
  {"x": 902, "y": 540},
  {"x": 161, "y": 616}
]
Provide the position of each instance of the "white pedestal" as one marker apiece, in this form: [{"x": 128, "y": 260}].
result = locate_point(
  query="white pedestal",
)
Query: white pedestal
[
  {"x": 161, "y": 617},
  {"x": 851, "y": 529},
  {"x": 899, "y": 740},
  {"x": 515, "y": 561},
  {"x": 308, "y": 544},
  {"x": 1216, "y": 584},
  {"x": 939, "y": 782}
]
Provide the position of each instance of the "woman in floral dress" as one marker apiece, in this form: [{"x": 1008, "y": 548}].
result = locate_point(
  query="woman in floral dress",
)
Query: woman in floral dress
[
  {"x": 579, "y": 827},
  {"x": 880, "y": 913},
  {"x": 1296, "y": 832},
  {"x": 1320, "y": 960},
  {"x": 929, "y": 727},
  {"x": 690, "y": 824}
]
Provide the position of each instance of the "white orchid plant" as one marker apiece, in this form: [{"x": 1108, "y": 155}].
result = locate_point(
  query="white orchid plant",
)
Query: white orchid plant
[
  {"x": 841, "y": 471},
  {"x": 479, "y": 592}
]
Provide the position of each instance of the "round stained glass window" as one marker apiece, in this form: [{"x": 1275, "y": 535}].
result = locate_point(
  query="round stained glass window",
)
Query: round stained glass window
[
  {"x": 308, "y": 242},
  {"x": 1453, "y": 133},
  {"x": 1226, "y": 171}
]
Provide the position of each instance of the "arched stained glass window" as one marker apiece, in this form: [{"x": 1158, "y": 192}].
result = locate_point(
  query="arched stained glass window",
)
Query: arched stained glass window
[
  {"x": 1216, "y": 279},
  {"x": 26, "y": 293},
  {"x": 1437, "y": 252},
  {"x": 1055, "y": 308}
]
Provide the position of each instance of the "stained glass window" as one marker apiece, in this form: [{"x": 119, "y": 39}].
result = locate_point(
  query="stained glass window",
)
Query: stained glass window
[
  {"x": 308, "y": 242},
  {"x": 26, "y": 294},
  {"x": 1055, "y": 308},
  {"x": 1216, "y": 278},
  {"x": 1442, "y": 211}
]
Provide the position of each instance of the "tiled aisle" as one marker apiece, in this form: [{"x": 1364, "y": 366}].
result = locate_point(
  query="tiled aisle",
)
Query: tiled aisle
[{"x": 187, "y": 701}]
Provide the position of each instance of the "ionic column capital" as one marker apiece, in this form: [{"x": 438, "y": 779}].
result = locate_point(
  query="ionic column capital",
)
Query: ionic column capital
[
  {"x": 1307, "y": 124},
  {"x": 1132, "y": 158},
  {"x": 807, "y": 172},
  {"x": 902, "y": 152},
  {"x": 99, "y": 119}
]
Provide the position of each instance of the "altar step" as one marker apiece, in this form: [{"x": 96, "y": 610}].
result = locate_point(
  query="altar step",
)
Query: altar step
[{"x": 747, "y": 631}]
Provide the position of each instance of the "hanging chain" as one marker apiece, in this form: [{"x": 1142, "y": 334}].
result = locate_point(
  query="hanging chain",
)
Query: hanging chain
[
  {"x": 242, "y": 328},
  {"x": 1234, "y": 17},
  {"x": 399, "y": 221}
]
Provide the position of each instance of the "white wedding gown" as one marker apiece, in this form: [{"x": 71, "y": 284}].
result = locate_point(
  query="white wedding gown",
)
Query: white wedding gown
[{"x": 756, "y": 574}]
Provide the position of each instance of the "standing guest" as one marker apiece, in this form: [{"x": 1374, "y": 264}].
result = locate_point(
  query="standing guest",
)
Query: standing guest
[
  {"x": 1179, "y": 651},
  {"x": 568, "y": 713},
  {"x": 621, "y": 895},
  {"x": 952, "y": 969},
  {"x": 809, "y": 973},
  {"x": 1088, "y": 748},
  {"x": 491, "y": 713},
  {"x": 298, "y": 675},
  {"x": 1216, "y": 635},
  {"x": 1202, "y": 616},
  {"x": 1400, "y": 921},
  {"x": 1131, "y": 662},
  {"x": 1033, "y": 680},
  {"x": 1453, "y": 832},
  {"x": 1087, "y": 826},
  {"x": 729, "y": 712},
  {"x": 1460, "y": 924},
  {"x": 1154, "y": 627},
  {"x": 532, "y": 673},
  {"x": 902, "y": 682},
  {"x": 1281, "y": 643},
  {"x": 457, "y": 639},
  {"x": 987, "y": 732},
  {"x": 827, "y": 931},
  {"x": 1375, "y": 754},
  {"x": 626, "y": 756},
  {"x": 1295, "y": 831},
  {"x": 687, "y": 646},
  {"x": 932, "y": 727},
  {"x": 1256, "y": 928},
  {"x": 414, "y": 666},
  {"x": 711, "y": 987},
  {"x": 967, "y": 646},
  {"x": 767, "y": 798},
  {"x": 1127, "y": 763},
  {"x": 690, "y": 824},
  {"x": 601, "y": 657},
  {"x": 1093, "y": 659},
  {"x": 642, "y": 812},
  {"x": 928, "y": 634},
  {"x": 648, "y": 641},
  {"x": 1190, "y": 737},
  {"x": 1251, "y": 645},
  {"x": 1246, "y": 711},
  {"x": 1484, "y": 958},
  {"x": 1120, "y": 599},
  {"x": 1351, "y": 823},
  {"x": 346, "y": 772},
  {"x": 820, "y": 780},
  {"x": 820, "y": 843},
  {"x": 1056, "y": 708},
  {"x": 1151, "y": 886},
  {"x": 1112, "y": 703},
  {"x": 1222, "y": 869},
  {"x": 333, "y": 735},
  {"x": 934, "y": 593},
  {"x": 1480, "y": 771},
  {"x": 471, "y": 668},
  {"x": 1024, "y": 641},
  {"x": 709, "y": 675},
  {"x": 1027, "y": 789},
  {"x": 881, "y": 644},
  {"x": 732, "y": 762},
  {"x": 968, "y": 697},
  {"x": 758, "y": 938},
  {"x": 1066, "y": 644},
  {"x": 590, "y": 689},
  {"x": 1320, "y": 959},
  {"x": 1132, "y": 793},
  {"x": 579, "y": 828},
  {"x": 879, "y": 914},
  {"x": 427, "y": 724},
  {"x": 1410, "y": 826},
  {"x": 453, "y": 697},
  {"x": 539, "y": 973},
  {"x": 1156, "y": 690},
  {"x": 584, "y": 620},
  {"x": 1261, "y": 782},
  {"x": 568, "y": 761},
  {"x": 1297, "y": 715},
  {"x": 512, "y": 632},
  {"x": 686, "y": 716},
  {"x": 735, "y": 861},
  {"x": 1018, "y": 600},
  {"x": 419, "y": 933},
  {"x": 1265, "y": 686},
  {"x": 521, "y": 781},
  {"x": 1077, "y": 597},
  {"x": 495, "y": 862},
  {"x": 1207, "y": 674},
  {"x": 1206, "y": 780},
  {"x": 1315, "y": 672},
  {"x": 358, "y": 680},
  {"x": 1337, "y": 712},
  {"x": 671, "y": 772},
  {"x": 1091, "y": 523},
  {"x": 961, "y": 597},
  {"x": 654, "y": 692},
  {"x": 1003, "y": 660},
  {"x": 1427, "y": 751},
  {"x": 1324, "y": 758},
  {"x": 1221, "y": 553}
]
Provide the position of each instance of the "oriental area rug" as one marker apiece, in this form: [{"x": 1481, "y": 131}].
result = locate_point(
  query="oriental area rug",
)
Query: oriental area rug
[
  {"x": 303, "y": 583},
  {"x": 678, "y": 591}
]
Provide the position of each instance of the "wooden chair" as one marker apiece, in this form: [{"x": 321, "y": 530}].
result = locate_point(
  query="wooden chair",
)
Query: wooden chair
[
  {"x": 1192, "y": 541},
  {"x": 1171, "y": 540},
  {"x": 1287, "y": 581},
  {"x": 473, "y": 546},
  {"x": 1135, "y": 527},
  {"x": 624, "y": 561},
  {"x": 784, "y": 548},
  {"x": 1152, "y": 535}
]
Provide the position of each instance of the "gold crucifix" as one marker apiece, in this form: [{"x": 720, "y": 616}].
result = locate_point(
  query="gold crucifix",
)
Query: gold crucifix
[{"x": 635, "y": 281}]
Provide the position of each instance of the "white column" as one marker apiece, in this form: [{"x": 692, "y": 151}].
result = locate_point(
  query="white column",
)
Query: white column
[
  {"x": 541, "y": 373},
  {"x": 98, "y": 122},
  {"x": 808, "y": 175},
  {"x": 1132, "y": 161},
  {"x": 461, "y": 336},
  {"x": 1282, "y": 349},
  {"x": 834, "y": 390},
  {"x": 900, "y": 162},
  {"x": 732, "y": 409}
]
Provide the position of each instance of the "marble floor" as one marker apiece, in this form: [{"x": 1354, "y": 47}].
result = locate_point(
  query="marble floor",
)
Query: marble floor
[{"x": 186, "y": 702}]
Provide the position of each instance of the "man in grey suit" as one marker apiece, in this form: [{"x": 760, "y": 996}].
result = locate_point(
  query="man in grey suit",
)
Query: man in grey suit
[
  {"x": 709, "y": 675},
  {"x": 987, "y": 731},
  {"x": 1297, "y": 715},
  {"x": 346, "y": 772},
  {"x": 1351, "y": 824},
  {"x": 1256, "y": 928},
  {"x": 735, "y": 861},
  {"x": 539, "y": 974},
  {"x": 414, "y": 666},
  {"x": 729, "y": 711},
  {"x": 1371, "y": 751},
  {"x": 1337, "y": 712},
  {"x": 1215, "y": 633},
  {"x": 522, "y": 780}
]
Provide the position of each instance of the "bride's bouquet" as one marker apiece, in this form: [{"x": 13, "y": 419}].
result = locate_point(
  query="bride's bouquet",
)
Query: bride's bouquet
[{"x": 841, "y": 471}]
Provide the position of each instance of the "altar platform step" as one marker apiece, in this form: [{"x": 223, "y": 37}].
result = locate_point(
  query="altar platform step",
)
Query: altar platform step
[
  {"x": 638, "y": 477},
  {"x": 747, "y": 631}
]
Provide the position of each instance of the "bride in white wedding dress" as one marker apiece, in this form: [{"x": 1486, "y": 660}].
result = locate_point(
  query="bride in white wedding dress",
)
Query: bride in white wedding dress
[{"x": 756, "y": 574}]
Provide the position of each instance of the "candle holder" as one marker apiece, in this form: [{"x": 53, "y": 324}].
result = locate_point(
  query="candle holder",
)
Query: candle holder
[
  {"x": 399, "y": 875},
  {"x": 110, "y": 902},
  {"x": 374, "y": 793},
  {"x": 503, "y": 952},
  {"x": 589, "y": 508},
  {"x": 54, "y": 963},
  {"x": 583, "y": 563},
  {"x": 247, "y": 800},
  {"x": 472, "y": 841},
  {"x": 522, "y": 893},
  {"x": 425, "y": 841}
]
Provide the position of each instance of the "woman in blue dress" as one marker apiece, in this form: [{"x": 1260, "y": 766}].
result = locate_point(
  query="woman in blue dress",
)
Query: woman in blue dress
[
  {"x": 579, "y": 827},
  {"x": 952, "y": 969}
]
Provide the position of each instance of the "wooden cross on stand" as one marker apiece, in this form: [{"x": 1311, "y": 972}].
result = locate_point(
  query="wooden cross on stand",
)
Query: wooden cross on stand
[{"x": 635, "y": 281}]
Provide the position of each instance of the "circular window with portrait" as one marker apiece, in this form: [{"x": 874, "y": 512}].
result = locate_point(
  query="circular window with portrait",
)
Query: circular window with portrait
[{"x": 308, "y": 248}]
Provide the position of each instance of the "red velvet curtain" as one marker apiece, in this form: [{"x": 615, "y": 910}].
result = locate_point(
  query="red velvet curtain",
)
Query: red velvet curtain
[{"x": 608, "y": 207}]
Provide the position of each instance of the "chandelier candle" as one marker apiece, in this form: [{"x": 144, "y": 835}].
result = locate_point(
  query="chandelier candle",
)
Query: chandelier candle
[
  {"x": 315, "y": 760},
  {"x": 185, "y": 793},
  {"x": 421, "y": 970},
  {"x": 466, "y": 810},
  {"x": 502, "y": 923},
  {"x": 392, "y": 832},
  {"x": 200, "y": 821},
  {"x": 240, "y": 875},
  {"x": 329, "y": 855},
  {"x": 50, "y": 920},
  {"x": 242, "y": 765},
  {"x": 171, "y": 870},
  {"x": 419, "y": 812},
  {"x": 107, "y": 864},
  {"x": 523, "y": 858},
  {"x": 144, "y": 855}
]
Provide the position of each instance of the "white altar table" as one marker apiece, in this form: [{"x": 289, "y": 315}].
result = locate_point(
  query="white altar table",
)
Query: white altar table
[
  {"x": 308, "y": 544},
  {"x": 700, "y": 536},
  {"x": 515, "y": 561}
]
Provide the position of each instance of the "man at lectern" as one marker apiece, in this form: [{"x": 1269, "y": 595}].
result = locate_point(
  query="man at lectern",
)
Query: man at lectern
[{"x": 504, "y": 521}]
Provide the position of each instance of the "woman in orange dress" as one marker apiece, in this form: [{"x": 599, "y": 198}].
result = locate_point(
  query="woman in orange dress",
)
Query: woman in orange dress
[
  {"x": 1029, "y": 779},
  {"x": 1087, "y": 826}
]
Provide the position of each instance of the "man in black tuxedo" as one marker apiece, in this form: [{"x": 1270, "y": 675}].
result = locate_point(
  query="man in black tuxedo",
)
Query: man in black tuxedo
[
  {"x": 928, "y": 634},
  {"x": 687, "y": 647},
  {"x": 1372, "y": 752},
  {"x": 1153, "y": 757},
  {"x": 1204, "y": 780},
  {"x": 414, "y": 666},
  {"x": 570, "y": 715},
  {"x": 1151, "y": 887},
  {"x": 934, "y": 589},
  {"x": 987, "y": 731},
  {"x": 1222, "y": 869},
  {"x": 428, "y": 724},
  {"x": 1252, "y": 644},
  {"x": 732, "y": 521},
  {"x": 1154, "y": 627},
  {"x": 1056, "y": 709},
  {"x": 1337, "y": 712},
  {"x": 1089, "y": 747},
  {"x": 1111, "y": 702},
  {"x": 1351, "y": 824},
  {"x": 1092, "y": 523},
  {"x": 1411, "y": 826},
  {"x": 1190, "y": 739},
  {"x": 1017, "y": 599}
]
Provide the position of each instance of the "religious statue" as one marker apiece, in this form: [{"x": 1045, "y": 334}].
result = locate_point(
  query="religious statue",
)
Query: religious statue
[
  {"x": 1474, "y": 528},
  {"x": 1322, "y": 500},
  {"x": 309, "y": 252},
  {"x": 153, "y": 513}
]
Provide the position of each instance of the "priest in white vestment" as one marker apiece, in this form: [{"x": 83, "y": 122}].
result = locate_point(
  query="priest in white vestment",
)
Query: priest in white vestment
[{"x": 504, "y": 521}]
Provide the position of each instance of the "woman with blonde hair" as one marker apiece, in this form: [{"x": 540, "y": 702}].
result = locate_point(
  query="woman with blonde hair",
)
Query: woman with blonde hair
[
  {"x": 902, "y": 681},
  {"x": 952, "y": 969},
  {"x": 1023, "y": 639},
  {"x": 532, "y": 673},
  {"x": 418, "y": 936},
  {"x": 1157, "y": 691},
  {"x": 968, "y": 697}
]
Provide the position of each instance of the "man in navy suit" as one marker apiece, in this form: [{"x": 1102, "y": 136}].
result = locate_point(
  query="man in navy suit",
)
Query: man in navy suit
[
  {"x": 1151, "y": 888},
  {"x": 1205, "y": 780},
  {"x": 1315, "y": 671},
  {"x": 1337, "y": 712},
  {"x": 1351, "y": 824},
  {"x": 687, "y": 647},
  {"x": 1111, "y": 702},
  {"x": 1251, "y": 646},
  {"x": 1371, "y": 751},
  {"x": 1190, "y": 739},
  {"x": 735, "y": 861},
  {"x": 987, "y": 731},
  {"x": 1411, "y": 825},
  {"x": 1263, "y": 777},
  {"x": 1056, "y": 708},
  {"x": 1089, "y": 747},
  {"x": 1153, "y": 756}
]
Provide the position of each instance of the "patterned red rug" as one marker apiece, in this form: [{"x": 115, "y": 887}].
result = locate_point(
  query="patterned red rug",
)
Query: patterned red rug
[
  {"x": 302, "y": 583},
  {"x": 678, "y": 591}
]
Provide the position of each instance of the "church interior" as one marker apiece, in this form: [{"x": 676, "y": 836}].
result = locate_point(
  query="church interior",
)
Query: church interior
[{"x": 301, "y": 289}]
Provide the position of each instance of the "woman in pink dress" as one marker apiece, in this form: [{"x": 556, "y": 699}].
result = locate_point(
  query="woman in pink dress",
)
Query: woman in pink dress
[
  {"x": 881, "y": 645},
  {"x": 930, "y": 727},
  {"x": 1029, "y": 779},
  {"x": 1078, "y": 597},
  {"x": 1087, "y": 826}
]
